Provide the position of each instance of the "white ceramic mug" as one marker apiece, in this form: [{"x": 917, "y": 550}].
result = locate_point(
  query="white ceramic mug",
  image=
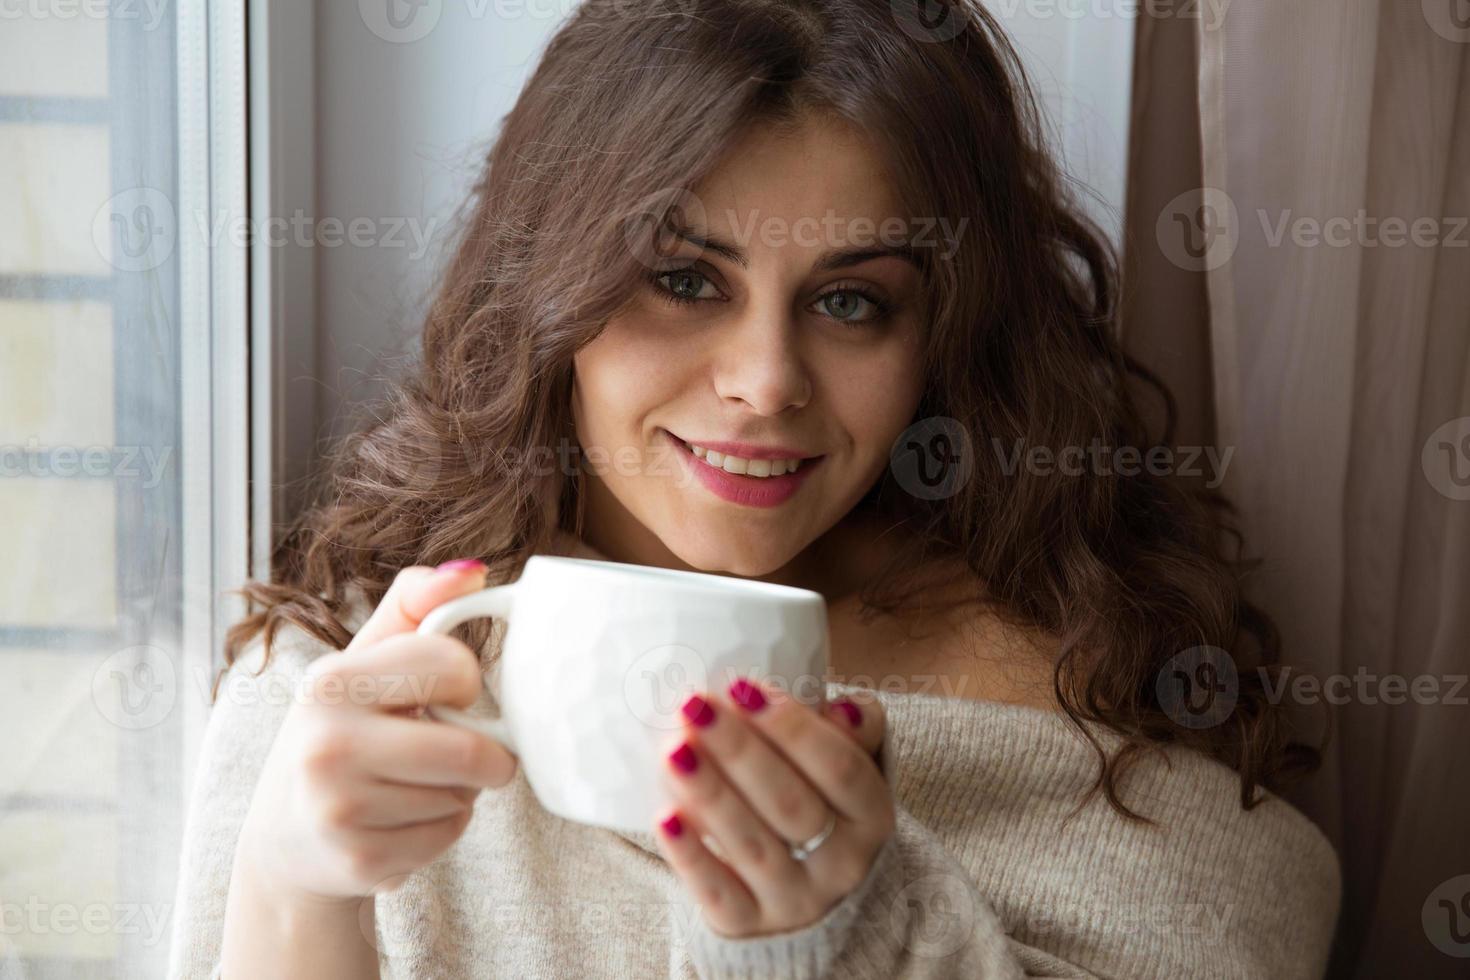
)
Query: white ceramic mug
[{"x": 598, "y": 656}]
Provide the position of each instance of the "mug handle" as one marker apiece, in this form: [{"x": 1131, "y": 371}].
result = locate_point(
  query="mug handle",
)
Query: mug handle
[{"x": 494, "y": 602}]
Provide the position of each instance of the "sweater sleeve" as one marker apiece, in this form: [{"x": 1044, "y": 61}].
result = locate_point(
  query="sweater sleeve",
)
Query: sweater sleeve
[
  {"x": 917, "y": 914},
  {"x": 1050, "y": 889},
  {"x": 249, "y": 709}
]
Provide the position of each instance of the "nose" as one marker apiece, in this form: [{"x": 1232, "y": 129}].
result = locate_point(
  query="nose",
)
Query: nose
[{"x": 760, "y": 364}]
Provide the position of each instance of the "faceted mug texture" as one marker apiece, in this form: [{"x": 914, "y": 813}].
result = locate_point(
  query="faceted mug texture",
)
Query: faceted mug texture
[{"x": 598, "y": 657}]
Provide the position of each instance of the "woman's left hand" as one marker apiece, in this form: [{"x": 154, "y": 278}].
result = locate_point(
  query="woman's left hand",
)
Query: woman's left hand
[{"x": 758, "y": 772}]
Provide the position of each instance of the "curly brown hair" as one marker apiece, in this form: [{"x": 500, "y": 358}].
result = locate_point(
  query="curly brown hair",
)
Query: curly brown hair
[{"x": 631, "y": 104}]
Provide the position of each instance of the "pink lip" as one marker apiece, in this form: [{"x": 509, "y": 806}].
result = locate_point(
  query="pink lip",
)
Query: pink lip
[
  {"x": 749, "y": 450},
  {"x": 750, "y": 491}
]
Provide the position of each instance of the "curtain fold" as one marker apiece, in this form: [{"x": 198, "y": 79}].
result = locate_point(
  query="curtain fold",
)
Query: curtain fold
[
  {"x": 1166, "y": 315},
  {"x": 1327, "y": 217}
]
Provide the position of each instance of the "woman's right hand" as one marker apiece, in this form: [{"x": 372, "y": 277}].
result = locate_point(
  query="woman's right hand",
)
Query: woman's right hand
[{"x": 357, "y": 790}]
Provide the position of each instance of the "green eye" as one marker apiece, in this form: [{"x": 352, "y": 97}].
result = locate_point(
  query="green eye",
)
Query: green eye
[
  {"x": 681, "y": 285},
  {"x": 843, "y": 305},
  {"x": 687, "y": 286}
]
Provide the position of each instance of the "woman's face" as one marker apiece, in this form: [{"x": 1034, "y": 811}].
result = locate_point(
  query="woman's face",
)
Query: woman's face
[{"x": 794, "y": 333}]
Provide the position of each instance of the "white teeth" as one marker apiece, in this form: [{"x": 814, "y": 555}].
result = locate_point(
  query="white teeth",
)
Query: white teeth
[{"x": 745, "y": 467}]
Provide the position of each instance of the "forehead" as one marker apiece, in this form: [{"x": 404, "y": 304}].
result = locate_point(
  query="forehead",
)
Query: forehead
[{"x": 818, "y": 167}]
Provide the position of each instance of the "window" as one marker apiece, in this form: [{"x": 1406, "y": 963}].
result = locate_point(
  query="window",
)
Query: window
[{"x": 122, "y": 475}]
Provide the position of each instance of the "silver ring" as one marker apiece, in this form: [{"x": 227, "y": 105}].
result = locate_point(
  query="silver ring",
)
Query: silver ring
[{"x": 803, "y": 850}]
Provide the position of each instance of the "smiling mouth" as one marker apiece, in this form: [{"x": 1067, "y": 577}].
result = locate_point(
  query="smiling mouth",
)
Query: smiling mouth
[
  {"x": 746, "y": 489},
  {"x": 763, "y": 468}
]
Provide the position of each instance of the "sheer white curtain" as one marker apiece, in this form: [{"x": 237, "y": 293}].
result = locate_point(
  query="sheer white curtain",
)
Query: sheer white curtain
[
  {"x": 112, "y": 454},
  {"x": 1327, "y": 229}
]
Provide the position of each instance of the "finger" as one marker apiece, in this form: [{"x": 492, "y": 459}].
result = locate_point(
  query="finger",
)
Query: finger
[
  {"x": 862, "y": 716},
  {"x": 415, "y": 592},
  {"x": 779, "y": 795},
  {"x": 747, "y": 844},
  {"x": 378, "y": 804},
  {"x": 428, "y": 753},
  {"x": 841, "y": 770},
  {"x": 728, "y": 906},
  {"x": 403, "y": 849},
  {"x": 399, "y": 673}
]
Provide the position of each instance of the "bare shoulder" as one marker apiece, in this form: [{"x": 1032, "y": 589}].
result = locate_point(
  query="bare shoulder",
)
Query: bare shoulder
[{"x": 949, "y": 649}]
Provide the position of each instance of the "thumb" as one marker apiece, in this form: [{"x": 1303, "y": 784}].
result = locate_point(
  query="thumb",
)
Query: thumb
[{"x": 416, "y": 591}]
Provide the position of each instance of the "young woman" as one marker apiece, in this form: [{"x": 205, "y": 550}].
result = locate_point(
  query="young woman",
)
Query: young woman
[{"x": 716, "y": 242}]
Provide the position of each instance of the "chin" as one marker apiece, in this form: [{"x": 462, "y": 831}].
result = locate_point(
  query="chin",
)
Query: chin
[{"x": 728, "y": 554}]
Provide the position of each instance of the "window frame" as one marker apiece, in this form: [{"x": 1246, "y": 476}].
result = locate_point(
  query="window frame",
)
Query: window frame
[{"x": 283, "y": 360}]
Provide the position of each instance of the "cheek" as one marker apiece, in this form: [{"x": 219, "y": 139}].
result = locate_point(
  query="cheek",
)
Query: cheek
[
  {"x": 608, "y": 408},
  {"x": 875, "y": 397},
  {"x": 596, "y": 406}
]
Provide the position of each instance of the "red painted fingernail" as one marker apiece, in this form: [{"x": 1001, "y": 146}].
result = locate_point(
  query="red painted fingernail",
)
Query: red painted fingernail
[
  {"x": 672, "y": 825},
  {"x": 747, "y": 695},
  {"x": 462, "y": 565},
  {"x": 697, "y": 710},
  {"x": 853, "y": 713},
  {"x": 684, "y": 759}
]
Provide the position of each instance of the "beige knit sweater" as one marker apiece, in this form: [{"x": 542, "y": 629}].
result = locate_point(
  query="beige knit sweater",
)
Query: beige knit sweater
[{"x": 985, "y": 876}]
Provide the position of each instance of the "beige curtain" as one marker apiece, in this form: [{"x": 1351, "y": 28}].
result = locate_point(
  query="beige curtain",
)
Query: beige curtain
[{"x": 1334, "y": 355}]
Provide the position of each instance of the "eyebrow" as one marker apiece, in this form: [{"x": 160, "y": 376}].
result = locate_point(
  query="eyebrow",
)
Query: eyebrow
[{"x": 829, "y": 261}]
